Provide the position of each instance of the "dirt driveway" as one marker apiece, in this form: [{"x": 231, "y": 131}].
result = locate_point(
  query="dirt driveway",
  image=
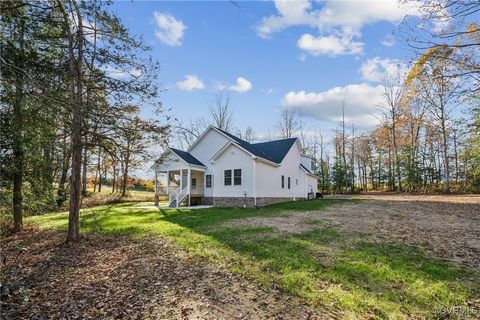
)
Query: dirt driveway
[{"x": 445, "y": 226}]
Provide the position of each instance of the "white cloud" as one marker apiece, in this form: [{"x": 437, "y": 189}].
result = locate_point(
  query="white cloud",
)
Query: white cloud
[
  {"x": 191, "y": 82},
  {"x": 242, "y": 85},
  {"x": 135, "y": 73},
  {"x": 329, "y": 45},
  {"x": 388, "y": 40},
  {"x": 337, "y": 21},
  {"x": 377, "y": 69},
  {"x": 121, "y": 74},
  {"x": 290, "y": 13},
  {"x": 361, "y": 101},
  {"x": 169, "y": 30}
]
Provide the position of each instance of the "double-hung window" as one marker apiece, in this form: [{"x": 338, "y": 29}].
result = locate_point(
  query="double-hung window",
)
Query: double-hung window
[
  {"x": 288, "y": 182},
  {"x": 237, "y": 177},
  {"x": 227, "y": 177}
]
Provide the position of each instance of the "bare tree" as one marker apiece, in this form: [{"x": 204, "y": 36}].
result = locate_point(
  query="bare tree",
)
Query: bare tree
[
  {"x": 448, "y": 24},
  {"x": 187, "y": 133},
  {"x": 442, "y": 94},
  {"x": 247, "y": 135},
  {"x": 221, "y": 112},
  {"x": 290, "y": 123},
  {"x": 392, "y": 95}
]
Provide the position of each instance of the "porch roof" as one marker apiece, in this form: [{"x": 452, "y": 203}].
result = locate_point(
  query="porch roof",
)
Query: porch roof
[{"x": 187, "y": 157}]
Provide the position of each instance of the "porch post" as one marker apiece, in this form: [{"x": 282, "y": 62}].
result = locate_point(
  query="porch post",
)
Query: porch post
[
  {"x": 189, "y": 182},
  {"x": 181, "y": 185},
  {"x": 156, "y": 189},
  {"x": 168, "y": 182},
  {"x": 181, "y": 179}
]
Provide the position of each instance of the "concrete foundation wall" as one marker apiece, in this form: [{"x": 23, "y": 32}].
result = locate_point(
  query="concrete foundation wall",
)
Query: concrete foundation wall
[
  {"x": 207, "y": 201},
  {"x": 263, "y": 201},
  {"x": 248, "y": 202}
]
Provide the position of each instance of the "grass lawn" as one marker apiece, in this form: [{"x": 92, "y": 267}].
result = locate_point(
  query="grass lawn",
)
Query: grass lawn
[{"x": 323, "y": 266}]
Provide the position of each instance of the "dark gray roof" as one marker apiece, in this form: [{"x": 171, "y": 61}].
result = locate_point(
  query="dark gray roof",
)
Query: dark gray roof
[
  {"x": 187, "y": 157},
  {"x": 273, "y": 151},
  {"x": 277, "y": 149}
]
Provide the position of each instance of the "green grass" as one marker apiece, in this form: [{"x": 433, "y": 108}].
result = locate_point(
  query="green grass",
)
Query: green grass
[{"x": 322, "y": 266}]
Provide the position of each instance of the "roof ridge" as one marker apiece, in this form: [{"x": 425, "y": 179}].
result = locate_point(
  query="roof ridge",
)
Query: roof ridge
[
  {"x": 293, "y": 138},
  {"x": 247, "y": 144}
]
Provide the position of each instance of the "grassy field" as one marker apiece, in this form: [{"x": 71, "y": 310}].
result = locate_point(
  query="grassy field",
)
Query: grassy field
[{"x": 338, "y": 270}]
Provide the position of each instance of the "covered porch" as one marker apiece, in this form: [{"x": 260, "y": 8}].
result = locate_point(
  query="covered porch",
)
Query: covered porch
[
  {"x": 179, "y": 186},
  {"x": 179, "y": 177}
]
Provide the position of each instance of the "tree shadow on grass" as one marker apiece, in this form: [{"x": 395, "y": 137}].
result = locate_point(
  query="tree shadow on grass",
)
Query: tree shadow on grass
[
  {"x": 324, "y": 266},
  {"x": 117, "y": 277}
]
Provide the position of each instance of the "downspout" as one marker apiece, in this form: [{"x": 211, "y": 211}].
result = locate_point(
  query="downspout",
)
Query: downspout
[{"x": 306, "y": 186}]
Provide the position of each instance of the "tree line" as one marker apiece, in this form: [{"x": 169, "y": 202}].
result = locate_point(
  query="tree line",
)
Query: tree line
[
  {"x": 428, "y": 137},
  {"x": 73, "y": 83}
]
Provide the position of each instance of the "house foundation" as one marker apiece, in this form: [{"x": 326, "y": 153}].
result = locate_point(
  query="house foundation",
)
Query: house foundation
[{"x": 248, "y": 202}]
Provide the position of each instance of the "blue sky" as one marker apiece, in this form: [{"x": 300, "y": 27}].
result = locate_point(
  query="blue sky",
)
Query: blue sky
[{"x": 267, "y": 56}]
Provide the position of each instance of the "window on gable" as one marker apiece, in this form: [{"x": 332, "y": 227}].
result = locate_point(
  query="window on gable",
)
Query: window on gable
[
  {"x": 296, "y": 182},
  {"x": 208, "y": 181},
  {"x": 283, "y": 182},
  {"x": 237, "y": 177},
  {"x": 288, "y": 182},
  {"x": 227, "y": 177}
]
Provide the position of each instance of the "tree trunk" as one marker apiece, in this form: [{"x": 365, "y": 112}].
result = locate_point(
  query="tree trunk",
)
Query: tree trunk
[
  {"x": 397, "y": 160},
  {"x": 61, "y": 194},
  {"x": 76, "y": 100},
  {"x": 99, "y": 171},
  {"x": 84, "y": 171},
  {"x": 125, "y": 175},
  {"x": 445, "y": 155},
  {"x": 114, "y": 174},
  {"x": 18, "y": 153},
  {"x": 456, "y": 156}
]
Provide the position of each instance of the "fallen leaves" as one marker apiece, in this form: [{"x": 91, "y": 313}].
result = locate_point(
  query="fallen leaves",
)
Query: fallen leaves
[{"x": 115, "y": 277}]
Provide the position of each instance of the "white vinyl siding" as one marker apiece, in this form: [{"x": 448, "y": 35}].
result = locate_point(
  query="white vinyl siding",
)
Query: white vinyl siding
[
  {"x": 204, "y": 150},
  {"x": 269, "y": 178},
  {"x": 233, "y": 158}
]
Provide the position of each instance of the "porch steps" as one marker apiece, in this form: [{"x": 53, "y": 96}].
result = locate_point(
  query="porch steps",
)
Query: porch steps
[{"x": 181, "y": 197}]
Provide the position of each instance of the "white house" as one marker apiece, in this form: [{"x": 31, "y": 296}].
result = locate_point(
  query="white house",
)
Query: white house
[{"x": 221, "y": 169}]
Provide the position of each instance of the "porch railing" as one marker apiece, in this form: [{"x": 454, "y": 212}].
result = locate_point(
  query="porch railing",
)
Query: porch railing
[
  {"x": 198, "y": 190},
  {"x": 164, "y": 190},
  {"x": 177, "y": 196}
]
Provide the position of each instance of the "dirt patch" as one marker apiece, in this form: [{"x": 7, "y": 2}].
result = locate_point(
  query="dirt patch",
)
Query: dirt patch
[
  {"x": 446, "y": 226},
  {"x": 288, "y": 224},
  {"x": 113, "y": 277}
]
